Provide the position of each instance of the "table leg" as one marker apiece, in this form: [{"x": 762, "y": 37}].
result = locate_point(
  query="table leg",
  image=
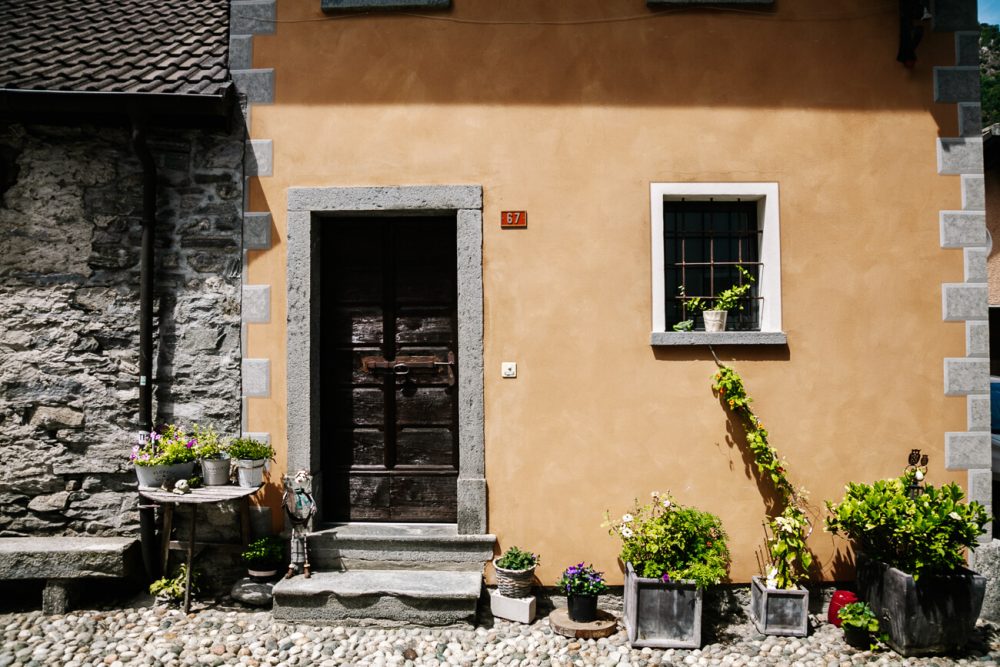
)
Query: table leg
[
  {"x": 190, "y": 559},
  {"x": 168, "y": 525},
  {"x": 245, "y": 520}
]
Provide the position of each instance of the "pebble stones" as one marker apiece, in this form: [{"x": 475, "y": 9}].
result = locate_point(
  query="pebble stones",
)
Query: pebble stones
[
  {"x": 605, "y": 625},
  {"x": 252, "y": 592}
]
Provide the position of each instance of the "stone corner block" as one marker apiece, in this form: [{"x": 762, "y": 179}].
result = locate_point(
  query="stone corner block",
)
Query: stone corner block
[
  {"x": 256, "y": 231},
  {"x": 964, "y": 301},
  {"x": 954, "y": 15},
  {"x": 961, "y": 229},
  {"x": 975, "y": 265},
  {"x": 258, "y": 435},
  {"x": 256, "y": 378},
  {"x": 970, "y": 119},
  {"x": 240, "y": 52},
  {"x": 962, "y": 155},
  {"x": 256, "y": 84},
  {"x": 257, "y": 303},
  {"x": 978, "y": 412},
  {"x": 956, "y": 84},
  {"x": 965, "y": 451},
  {"x": 259, "y": 157},
  {"x": 964, "y": 376},
  {"x": 519, "y": 610},
  {"x": 973, "y": 192},
  {"x": 967, "y": 47},
  {"x": 985, "y": 560},
  {"x": 252, "y": 17}
]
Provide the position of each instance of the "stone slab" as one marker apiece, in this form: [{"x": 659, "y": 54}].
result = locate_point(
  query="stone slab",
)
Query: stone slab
[
  {"x": 986, "y": 561},
  {"x": 387, "y": 546},
  {"x": 65, "y": 557},
  {"x": 382, "y": 5},
  {"x": 519, "y": 610},
  {"x": 605, "y": 625},
  {"x": 721, "y": 338},
  {"x": 376, "y": 198}
]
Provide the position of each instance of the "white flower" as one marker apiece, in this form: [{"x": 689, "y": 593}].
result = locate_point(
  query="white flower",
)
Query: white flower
[
  {"x": 666, "y": 503},
  {"x": 772, "y": 577},
  {"x": 627, "y": 518},
  {"x": 626, "y": 532},
  {"x": 954, "y": 515}
]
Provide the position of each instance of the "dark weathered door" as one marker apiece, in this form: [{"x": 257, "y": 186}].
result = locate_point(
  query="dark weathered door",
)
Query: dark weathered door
[{"x": 389, "y": 353}]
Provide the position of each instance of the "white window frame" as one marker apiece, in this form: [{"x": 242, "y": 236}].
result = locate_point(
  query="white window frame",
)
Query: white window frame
[{"x": 769, "y": 280}]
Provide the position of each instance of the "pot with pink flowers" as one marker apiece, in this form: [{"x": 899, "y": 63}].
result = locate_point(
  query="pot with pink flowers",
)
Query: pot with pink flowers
[{"x": 163, "y": 456}]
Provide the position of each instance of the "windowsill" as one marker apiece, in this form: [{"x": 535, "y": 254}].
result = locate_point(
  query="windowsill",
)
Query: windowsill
[{"x": 721, "y": 338}]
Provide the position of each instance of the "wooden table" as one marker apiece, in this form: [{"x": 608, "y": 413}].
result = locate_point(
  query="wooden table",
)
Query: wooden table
[{"x": 201, "y": 496}]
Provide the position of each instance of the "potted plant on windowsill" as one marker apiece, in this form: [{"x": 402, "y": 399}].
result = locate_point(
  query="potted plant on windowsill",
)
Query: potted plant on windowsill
[
  {"x": 213, "y": 456},
  {"x": 250, "y": 456},
  {"x": 582, "y": 585},
  {"x": 910, "y": 544},
  {"x": 671, "y": 554},
  {"x": 264, "y": 557},
  {"x": 714, "y": 315},
  {"x": 163, "y": 456}
]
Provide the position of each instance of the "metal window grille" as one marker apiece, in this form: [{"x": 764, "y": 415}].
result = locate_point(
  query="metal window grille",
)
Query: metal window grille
[{"x": 703, "y": 244}]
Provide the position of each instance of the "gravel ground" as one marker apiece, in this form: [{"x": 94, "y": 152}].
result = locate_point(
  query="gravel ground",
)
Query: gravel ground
[{"x": 222, "y": 636}]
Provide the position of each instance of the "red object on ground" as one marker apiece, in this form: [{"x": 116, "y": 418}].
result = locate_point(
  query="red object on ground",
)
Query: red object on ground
[{"x": 839, "y": 599}]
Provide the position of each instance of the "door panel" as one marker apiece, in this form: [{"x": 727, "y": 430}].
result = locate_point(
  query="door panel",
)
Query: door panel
[{"x": 388, "y": 386}]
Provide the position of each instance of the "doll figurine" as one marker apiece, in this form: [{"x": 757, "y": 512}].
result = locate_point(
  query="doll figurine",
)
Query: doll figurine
[{"x": 299, "y": 507}]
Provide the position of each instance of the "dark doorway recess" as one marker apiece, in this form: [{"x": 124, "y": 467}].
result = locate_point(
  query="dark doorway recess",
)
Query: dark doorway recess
[{"x": 389, "y": 369}]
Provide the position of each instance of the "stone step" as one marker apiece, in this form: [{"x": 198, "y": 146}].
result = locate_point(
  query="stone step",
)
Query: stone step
[
  {"x": 368, "y": 546},
  {"x": 423, "y": 597}
]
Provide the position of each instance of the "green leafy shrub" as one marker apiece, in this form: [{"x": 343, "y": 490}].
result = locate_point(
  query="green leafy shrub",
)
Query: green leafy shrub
[
  {"x": 582, "y": 579},
  {"x": 858, "y": 615},
  {"x": 267, "y": 553},
  {"x": 164, "y": 446},
  {"x": 667, "y": 541},
  {"x": 250, "y": 449},
  {"x": 208, "y": 444},
  {"x": 728, "y": 299},
  {"x": 517, "y": 559},
  {"x": 925, "y": 534},
  {"x": 172, "y": 588}
]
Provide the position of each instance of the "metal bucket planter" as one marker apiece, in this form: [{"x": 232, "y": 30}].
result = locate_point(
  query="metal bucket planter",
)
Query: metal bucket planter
[
  {"x": 661, "y": 614},
  {"x": 934, "y": 615},
  {"x": 715, "y": 320},
  {"x": 514, "y": 583},
  {"x": 779, "y": 611},
  {"x": 215, "y": 472},
  {"x": 156, "y": 476},
  {"x": 250, "y": 472}
]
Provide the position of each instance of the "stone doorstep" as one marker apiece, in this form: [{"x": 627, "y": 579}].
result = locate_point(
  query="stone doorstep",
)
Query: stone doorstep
[
  {"x": 64, "y": 557},
  {"x": 398, "y": 596},
  {"x": 400, "y": 546}
]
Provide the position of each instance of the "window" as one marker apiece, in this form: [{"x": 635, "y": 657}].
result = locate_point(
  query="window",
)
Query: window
[{"x": 701, "y": 233}]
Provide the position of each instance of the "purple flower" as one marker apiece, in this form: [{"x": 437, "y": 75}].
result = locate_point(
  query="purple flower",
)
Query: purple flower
[
  {"x": 665, "y": 578},
  {"x": 154, "y": 436},
  {"x": 191, "y": 443}
]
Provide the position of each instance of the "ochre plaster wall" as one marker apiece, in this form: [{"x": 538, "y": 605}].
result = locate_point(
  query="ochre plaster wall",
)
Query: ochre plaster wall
[{"x": 572, "y": 123}]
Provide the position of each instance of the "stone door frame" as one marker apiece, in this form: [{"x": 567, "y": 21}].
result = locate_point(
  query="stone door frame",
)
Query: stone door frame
[{"x": 310, "y": 207}]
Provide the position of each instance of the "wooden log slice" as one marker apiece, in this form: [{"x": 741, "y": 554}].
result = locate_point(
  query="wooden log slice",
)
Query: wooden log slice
[{"x": 605, "y": 625}]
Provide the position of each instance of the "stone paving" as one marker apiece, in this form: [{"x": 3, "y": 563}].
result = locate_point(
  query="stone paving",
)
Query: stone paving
[{"x": 161, "y": 635}]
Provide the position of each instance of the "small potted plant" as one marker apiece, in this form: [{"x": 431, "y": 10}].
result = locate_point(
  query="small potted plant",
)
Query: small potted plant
[
  {"x": 250, "y": 456},
  {"x": 859, "y": 624},
  {"x": 910, "y": 543},
  {"x": 163, "y": 456},
  {"x": 213, "y": 456},
  {"x": 715, "y": 315},
  {"x": 264, "y": 557},
  {"x": 515, "y": 572},
  {"x": 671, "y": 554},
  {"x": 582, "y": 585}
]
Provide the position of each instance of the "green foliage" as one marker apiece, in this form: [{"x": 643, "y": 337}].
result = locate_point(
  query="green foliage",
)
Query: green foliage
[
  {"x": 166, "y": 446},
  {"x": 250, "y": 449},
  {"x": 989, "y": 73},
  {"x": 790, "y": 556},
  {"x": 173, "y": 587},
  {"x": 924, "y": 534},
  {"x": 667, "y": 541},
  {"x": 517, "y": 559},
  {"x": 264, "y": 554},
  {"x": 208, "y": 444},
  {"x": 858, "y": 615},
  {"x": 582, "y": 579},
  {"x": 728, "y": 299}
]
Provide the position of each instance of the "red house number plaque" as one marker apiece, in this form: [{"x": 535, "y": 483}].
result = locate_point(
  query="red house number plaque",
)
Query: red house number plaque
[{"x": 513, "y": 219}]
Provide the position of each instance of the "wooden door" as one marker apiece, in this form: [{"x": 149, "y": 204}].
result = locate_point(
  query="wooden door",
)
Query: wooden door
[{"x": 389, "y": 369}]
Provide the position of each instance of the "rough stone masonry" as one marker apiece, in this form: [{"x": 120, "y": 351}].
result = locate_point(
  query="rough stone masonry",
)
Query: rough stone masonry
[{"x": 70, "y": 226}]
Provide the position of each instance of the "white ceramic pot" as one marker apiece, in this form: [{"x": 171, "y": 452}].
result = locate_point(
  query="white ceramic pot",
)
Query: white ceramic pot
[
  {"x": 715, "y": 320},
  {"x": 156, "y": 476},
  {"x": 250, "y": 472}
]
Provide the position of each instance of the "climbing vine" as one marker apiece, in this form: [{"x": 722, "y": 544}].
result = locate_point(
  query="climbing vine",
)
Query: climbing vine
[{"x": 790, "y": 558}]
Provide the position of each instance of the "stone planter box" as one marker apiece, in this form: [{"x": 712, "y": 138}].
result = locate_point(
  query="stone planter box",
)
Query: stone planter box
[
  {"x": 779, "y": 611},
  {"x": 661, "y": 615},
  {"x": 936, "y": 614}
]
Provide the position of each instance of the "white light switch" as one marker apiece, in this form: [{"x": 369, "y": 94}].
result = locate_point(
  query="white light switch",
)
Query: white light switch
[{"x": 508, "y": 369}]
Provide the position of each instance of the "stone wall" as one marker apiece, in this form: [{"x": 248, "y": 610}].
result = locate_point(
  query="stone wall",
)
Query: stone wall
[{"x": 70, "y": 227}]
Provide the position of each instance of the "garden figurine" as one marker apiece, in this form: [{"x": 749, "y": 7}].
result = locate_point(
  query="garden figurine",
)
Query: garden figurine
[{"x": 300, "y": 508}]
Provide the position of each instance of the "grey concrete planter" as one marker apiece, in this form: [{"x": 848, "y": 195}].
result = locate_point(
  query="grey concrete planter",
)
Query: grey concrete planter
[
  {"x": 936, "y": 614},
  {"x": 156, "y": 476},
  {"x": 778, "y": 611},
  {"x": 659, "y": 614}
]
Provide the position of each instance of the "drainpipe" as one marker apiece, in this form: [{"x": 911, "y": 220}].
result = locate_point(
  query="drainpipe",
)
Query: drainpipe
[{"x": 147, "y": 512}]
